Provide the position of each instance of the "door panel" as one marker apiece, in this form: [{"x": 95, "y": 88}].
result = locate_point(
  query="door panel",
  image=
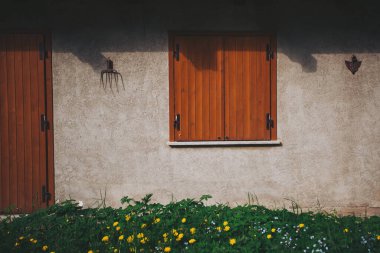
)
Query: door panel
[
  {"x": 198, "y": 84},
  {"x": 247, "y": 87},
  {"x": 22, "y": 102}
]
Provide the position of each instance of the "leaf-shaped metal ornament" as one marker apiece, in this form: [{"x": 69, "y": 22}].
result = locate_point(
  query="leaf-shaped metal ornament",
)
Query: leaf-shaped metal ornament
[{"x": 353, "y": 65}]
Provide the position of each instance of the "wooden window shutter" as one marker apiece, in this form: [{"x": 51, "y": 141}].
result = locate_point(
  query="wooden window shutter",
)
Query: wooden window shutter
[
  {"x": 247, "y": 88},
  {"x": 223, "y": 87},
  {"x": 198, "y": 85}
]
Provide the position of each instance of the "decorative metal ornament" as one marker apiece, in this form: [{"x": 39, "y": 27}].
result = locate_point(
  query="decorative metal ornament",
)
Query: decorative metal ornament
[
  {"x": 353, "y": 65},
  {"x": 111, "y": 76}
]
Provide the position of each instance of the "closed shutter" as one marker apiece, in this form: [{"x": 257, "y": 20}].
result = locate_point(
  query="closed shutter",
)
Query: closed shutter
[
  {"x": 247, "y": 86},
  {"x": 198, "y": 88},
  {"x": 222, "y": 88}
]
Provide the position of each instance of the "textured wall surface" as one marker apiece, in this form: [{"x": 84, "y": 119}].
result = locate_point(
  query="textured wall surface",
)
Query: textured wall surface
[{"x": 328, "y": 119}]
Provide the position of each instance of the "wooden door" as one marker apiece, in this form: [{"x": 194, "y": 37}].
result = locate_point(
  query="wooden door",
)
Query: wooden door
[
  {"x": 25, "y": 103},
  {"x": 247, "y": 88},
  {"x": 198, "y": 88}
]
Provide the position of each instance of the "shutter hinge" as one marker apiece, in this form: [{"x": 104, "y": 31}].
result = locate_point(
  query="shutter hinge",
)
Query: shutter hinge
[
  {"x": 44, "y": 123},
  {"x": 177, "y": 122},
  {"x": 270, "y": 53},
  {"x": 269, "y": 121},
  {"x": 176, "y": 52},
  {"x": 45, "y": 194},
  {"x": 42, "y": 51}
]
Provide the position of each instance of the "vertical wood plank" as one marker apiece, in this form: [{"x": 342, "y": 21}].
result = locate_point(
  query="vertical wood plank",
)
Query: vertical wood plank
[
  {"x": 42, "y": 110},
  {"x": 220, "y": 90},
  {"x": 4, "y": 124},
  {"x": 198, "y": 91},
  {"x": 273, "y": 87},
  {"x": 49, "y": 110},
  {"x": 240, "y": 55},
  {"x": 213, "y": 48},
  {"x": 12, "y": 120},
  {"x": 185, "y": 90},
  {"x": 177, "y": 87},
  {"x": 171, "y": 46},
  {"x": 191, "y": 54},
  {"x": 20, "y": 122},
  {"x": 205, "y": 118},
  {"x": 26, "y": 76},
  {"x": 35, "y": 126}
]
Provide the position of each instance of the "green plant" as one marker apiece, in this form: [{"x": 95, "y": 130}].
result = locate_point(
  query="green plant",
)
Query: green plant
[{"x": 186, "y": 226}]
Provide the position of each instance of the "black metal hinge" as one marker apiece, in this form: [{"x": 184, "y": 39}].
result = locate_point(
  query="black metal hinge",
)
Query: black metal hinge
[
  {"x": 42, "y": 51},
  {"x": 176, "y": 52},
  {"x": 270, "y": 53},
  {"x": 177, "y": 122},
  {"x": 269, "y": 121},
  {"x": 45, "y": 194},
  {"x": 44, "y": 123}
]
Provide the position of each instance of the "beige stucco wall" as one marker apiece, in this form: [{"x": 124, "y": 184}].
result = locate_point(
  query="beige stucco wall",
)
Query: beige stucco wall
[{"x": 328, "y": 119}]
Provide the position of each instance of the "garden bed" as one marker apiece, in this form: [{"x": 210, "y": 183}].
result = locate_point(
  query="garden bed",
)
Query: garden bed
[{"x": 186, "y": 226}]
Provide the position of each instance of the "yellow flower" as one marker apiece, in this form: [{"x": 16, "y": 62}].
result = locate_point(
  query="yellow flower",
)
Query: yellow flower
[
  {"x": 127, "y": 217},
  {"x": 17, "y": 244},
  {"x": 105, "y": 238},
  {"x": 179, "y": 238},
  {"x": 226, "y": 228},
  {"x": 117, "y": 228},
  {"x": 115, "y": 223},
  {"x": 144, "y": 240},
  {"x": 232, "y": 241},
  {"x": 301, "y": 225},
  {"x": 121, "y": 237},
  {"x": 225, "y": 223},
  {"x": 90, "y": 251},
  {"x": 219, "y": 229},
  {"x": 130, "y": 239},
  {"x": 21, "y": 238},
  {"x": 175, "y": 233},
  {"x": 157, "y": 220},
  {"x": 115, "y": 250},
  {"x": 345, "y": 230},
  {"x": 45, "y": 248},
  {"x": 167, "y": 249},
  {"x": 165, "y": 235},
  {"x": 143, "y": 225},
  {"x": 269, "y": 236},
  {"x": 52, "y": 251},
  {"x": 378, "y": 237},
  {"x": 193, "y": 230},
  {"x": 108, "y": 227},
  {"x": 140, "y": 235},
  {"x": 183, "y": 220},
  {"x": 273, "y": 230},
  {"x": 34, "y": 241},
  {"x": 191, "y": 241}
]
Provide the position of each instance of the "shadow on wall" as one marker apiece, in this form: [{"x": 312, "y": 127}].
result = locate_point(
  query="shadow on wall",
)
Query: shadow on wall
[{"x": 90, "y": 28}]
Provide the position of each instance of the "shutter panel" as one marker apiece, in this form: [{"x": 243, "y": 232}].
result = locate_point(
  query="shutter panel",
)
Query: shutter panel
[
  {"x": 247, "y": 88},
  {"x": 198, "y": 85}
]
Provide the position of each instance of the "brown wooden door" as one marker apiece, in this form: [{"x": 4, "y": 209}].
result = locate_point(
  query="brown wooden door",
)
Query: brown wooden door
[
  {"x": 247, "y": 87},
  {"x": 198, "y": 85},
  {"x": 23, "y": 102}
]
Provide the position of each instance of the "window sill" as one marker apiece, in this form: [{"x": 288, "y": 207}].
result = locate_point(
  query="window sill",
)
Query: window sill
[{"x": 179, "y": 144}]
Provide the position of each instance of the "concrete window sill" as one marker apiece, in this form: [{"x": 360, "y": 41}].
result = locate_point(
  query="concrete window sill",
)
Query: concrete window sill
[{"x": 180, "y": 144}]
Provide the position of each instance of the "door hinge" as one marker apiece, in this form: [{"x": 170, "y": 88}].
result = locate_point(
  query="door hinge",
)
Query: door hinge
[
  {"x": 177, "y": 122},
  {"x": 270, "y": 53},
  {"x": 42, "y": 51},
  {"x": 269, "y": 121},
  {"x": 45, "y": 194},
  {"x": 44, "y": 123},
  {"x": 176, "y": 52}
]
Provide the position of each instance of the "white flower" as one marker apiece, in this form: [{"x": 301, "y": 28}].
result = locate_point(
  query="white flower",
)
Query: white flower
[{"x": 80, "y": 203}]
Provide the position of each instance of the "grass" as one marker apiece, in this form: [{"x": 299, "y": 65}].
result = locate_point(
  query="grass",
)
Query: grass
[{"x": 186, "y": 226}]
